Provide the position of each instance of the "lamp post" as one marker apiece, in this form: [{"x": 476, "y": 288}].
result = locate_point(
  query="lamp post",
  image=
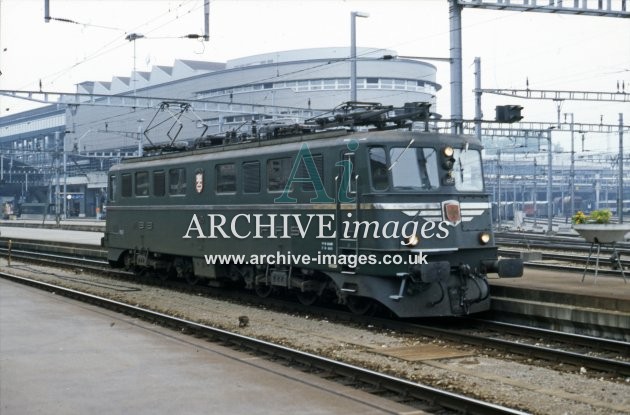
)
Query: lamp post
[{"x": 353, "y": 53}]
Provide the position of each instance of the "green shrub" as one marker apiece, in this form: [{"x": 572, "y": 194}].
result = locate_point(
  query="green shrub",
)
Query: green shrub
[{"x": 596, "y": 216}]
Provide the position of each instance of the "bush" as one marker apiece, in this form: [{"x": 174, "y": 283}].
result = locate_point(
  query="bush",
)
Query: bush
[{"x": 596, "y": 216}]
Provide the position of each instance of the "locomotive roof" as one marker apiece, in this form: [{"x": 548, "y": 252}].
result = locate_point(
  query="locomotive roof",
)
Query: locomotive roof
[{"x": 333, "y": 138}]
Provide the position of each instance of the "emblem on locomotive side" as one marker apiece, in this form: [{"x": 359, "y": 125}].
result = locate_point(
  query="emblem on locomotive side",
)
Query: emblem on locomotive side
[
  {"x": 199, "y": 181},
  {"x": 452, "y": 211}
]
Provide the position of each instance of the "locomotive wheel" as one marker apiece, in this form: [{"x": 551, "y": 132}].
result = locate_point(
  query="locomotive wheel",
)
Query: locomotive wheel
[
  {"x": 191, "y": 278},
  {"x": 307, "y": 297},
  {"x": 263, "y": 291},
  {"x": 127, "y": 261},
  {"x": 360, "y": 305}
]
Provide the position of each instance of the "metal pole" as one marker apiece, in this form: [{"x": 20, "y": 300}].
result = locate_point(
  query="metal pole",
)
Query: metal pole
[
  {"x": 549, "y": 183},
  {"x": 478, "y": 113},
  {"x": 572, "y": 173},
  {"x": 620, "y": 192},
  {"x": 455, "y": 20},
  {"x": 57, "y": 168},
  {"x": 353, "y": 53},
  {"x": 134, "y": 67},
  {"x": 598, "y": 188},
  {"x": 534, "y": 194},
  {"x": 499, "y": 171},
  {"x": 206, "y": 20},
  {"x": 65, "y": 185}
]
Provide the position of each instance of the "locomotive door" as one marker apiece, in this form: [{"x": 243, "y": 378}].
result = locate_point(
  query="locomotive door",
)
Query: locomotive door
[{"x": 347, "y": 205}]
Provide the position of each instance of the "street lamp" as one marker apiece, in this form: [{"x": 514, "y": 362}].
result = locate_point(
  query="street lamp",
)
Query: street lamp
[{"x": 353, "y": 53}]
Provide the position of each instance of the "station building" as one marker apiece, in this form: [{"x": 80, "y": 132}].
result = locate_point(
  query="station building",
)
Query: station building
[{"x": 65, "y": 148}]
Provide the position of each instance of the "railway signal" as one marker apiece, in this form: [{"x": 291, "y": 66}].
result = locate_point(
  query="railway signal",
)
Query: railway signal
[{"x": 508, "y": 113}]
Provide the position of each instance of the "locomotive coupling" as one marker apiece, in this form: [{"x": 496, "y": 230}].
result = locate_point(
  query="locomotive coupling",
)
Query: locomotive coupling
[{"x": 506, "y": 268}]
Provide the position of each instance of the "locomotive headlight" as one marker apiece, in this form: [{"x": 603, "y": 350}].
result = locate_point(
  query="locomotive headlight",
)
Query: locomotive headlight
[
  {"x": 448, "y": 151},
  {"x": 412, "y": 240},
  {"x": 484, "y": 238}
]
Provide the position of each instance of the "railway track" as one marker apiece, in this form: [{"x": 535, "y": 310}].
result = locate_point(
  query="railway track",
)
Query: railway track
[
  {"x": 411, "y": 393},
  {"x": 563, "y": 252},
  {"x": 601, "y": 355},
  {"x": 555, "y": 242}
]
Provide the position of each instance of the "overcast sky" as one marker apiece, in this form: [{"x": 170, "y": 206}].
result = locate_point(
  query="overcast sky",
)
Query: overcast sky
[{"x": 561, "y": 52}]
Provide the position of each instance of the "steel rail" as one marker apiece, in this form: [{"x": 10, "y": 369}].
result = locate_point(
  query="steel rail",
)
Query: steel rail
[
  {"x": 381, "y": 381},
  {"x": 616, "y": 346},
  {"x": 550, "y": 354},
  {"x": 545, "y": 353}
]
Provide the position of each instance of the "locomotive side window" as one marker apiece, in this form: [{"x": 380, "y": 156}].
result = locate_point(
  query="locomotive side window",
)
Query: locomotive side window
[
  {"x": 142, "y": 183},
  {"x": 126, "y": 185},
  {"x": 251, "y": 177},
  {"x": 278, "y": 171},
  {"x": 226, "y": 178},
  {"x": 318, "y": 161},
  {"x": 159, "y": 183},
  {"x": 177, "y": 181},
  {"x": 414, "y": 168},
  {"x": 113, "y": 188},
  {"x": 467, "y": 170},
  {"x": 378, "y": 168}
]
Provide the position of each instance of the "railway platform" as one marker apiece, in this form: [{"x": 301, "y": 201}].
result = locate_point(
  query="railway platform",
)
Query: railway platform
[
  {"x": 561, "y": 300},
  {"x": 62, "y": 356}
]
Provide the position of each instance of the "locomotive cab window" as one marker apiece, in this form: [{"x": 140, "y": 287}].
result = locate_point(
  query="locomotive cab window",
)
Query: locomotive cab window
[
  {"x": 126, "y": 185},
  {"x": 378, "y": 168},
  {"x": 142, "y": 183},
  {"x": 414, "y": 168},
  {"x": 467, "y": 170},
  {"x": 177, "y": 181},
  {"x": 113, "y": 188}
]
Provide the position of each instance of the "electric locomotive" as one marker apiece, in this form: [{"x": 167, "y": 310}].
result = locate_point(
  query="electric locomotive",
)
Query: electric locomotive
[{"x": 394, "y": 218}]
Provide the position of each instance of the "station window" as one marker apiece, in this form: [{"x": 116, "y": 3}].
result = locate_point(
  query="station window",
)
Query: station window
[
  {"x": 177, "y": 181},
  {"x": 126, "y": 185},
  {"x": 159, "y": 183},
  {"x": 372, "y": 83},
  {"x": 251, "y": 177},
  {"x": 113, "y": 187},
  {"x": 378, "y": 168},
  {"x": 278, "y": 171},
  {"x": 142, "y": 183},
  {"x": 226, "y": 178}
]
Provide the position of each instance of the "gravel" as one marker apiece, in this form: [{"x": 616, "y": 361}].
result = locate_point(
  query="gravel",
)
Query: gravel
[{"x": 496, "y": 378}]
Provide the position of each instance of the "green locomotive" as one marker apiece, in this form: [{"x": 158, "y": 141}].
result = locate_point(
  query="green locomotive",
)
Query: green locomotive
[{"x": 397, "y": 218}]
